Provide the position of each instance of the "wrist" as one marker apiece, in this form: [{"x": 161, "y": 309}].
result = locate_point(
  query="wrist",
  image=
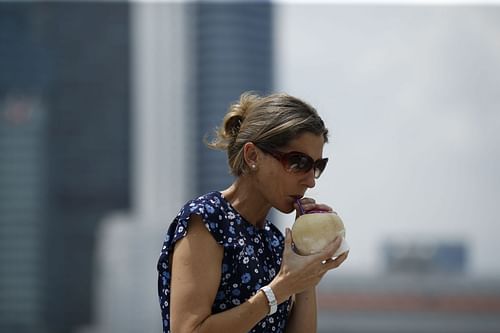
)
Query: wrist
[
  {"x": 271, "y": 299},
  {"x": 307, "y": 292},
  {"x": 280, "y": 290}
]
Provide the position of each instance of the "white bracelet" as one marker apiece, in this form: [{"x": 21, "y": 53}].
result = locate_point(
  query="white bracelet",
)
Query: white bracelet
[{"x": 273, "y": 304}]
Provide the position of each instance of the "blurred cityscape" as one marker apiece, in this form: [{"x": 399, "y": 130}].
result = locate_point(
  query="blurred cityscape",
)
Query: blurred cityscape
[
  {"x": 425, "y": 289},
  {"x": 103, "y": 110}
]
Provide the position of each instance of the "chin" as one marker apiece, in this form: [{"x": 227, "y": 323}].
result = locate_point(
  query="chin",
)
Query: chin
[{"x": 286, "y": 209}]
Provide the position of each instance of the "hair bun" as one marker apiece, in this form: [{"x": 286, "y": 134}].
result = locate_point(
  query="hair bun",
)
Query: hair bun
[
  {"x": 238, "y": 112},
  {"x": 233, "y": 125}
]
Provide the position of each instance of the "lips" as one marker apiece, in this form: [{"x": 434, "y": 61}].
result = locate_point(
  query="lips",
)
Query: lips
[{"x": 295, "y": 197}]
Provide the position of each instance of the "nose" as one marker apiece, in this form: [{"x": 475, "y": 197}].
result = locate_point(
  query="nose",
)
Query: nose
[{"x": 309, "y": 180}]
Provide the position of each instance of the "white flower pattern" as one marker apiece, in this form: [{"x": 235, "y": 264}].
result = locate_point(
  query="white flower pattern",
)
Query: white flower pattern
[{"x": 251, "y": 258}]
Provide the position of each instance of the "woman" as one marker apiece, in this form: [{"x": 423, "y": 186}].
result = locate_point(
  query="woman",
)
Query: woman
[{"x": 224, "y": 267}]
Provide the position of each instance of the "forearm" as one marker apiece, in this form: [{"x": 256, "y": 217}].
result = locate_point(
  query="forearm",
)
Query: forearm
[
  {"x": 304, "y": 313},
  {"x": 241, "y": 318}
]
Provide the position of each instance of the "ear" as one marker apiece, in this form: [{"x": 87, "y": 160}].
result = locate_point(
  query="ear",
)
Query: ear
[{"x": 250, "y": 154}]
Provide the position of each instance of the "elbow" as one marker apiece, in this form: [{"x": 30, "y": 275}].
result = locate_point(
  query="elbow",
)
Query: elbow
[{"x": 184, "y": 326}]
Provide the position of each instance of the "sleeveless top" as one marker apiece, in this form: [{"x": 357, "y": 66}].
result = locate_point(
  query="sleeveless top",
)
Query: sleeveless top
[{"x": 252, "y": 258}]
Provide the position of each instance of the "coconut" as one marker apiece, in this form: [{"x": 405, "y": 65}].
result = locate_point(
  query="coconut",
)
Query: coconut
[{"x": 313, "y": 231}]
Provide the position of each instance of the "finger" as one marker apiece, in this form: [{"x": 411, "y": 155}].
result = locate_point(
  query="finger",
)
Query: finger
[
  {"x": 306, "y": 200},
  {"x": 334, "y": 263},
  {"x": 327, "y": 261},
  {"x": 288, "y": 238},
  {"x": 324, "y": 207},
  {"x": 310, "y": 204},
  {"x": 307, "y": 203},
  {"x": 288, "y": 243}
]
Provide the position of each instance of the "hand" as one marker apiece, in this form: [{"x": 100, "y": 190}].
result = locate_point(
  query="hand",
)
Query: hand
[
  {"x": 299, "y": 273},
  {"x": 309, "y": 204}
]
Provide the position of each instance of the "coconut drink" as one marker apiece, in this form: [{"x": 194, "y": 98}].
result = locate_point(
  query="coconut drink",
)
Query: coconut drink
[{"x": 314, "y": 230}]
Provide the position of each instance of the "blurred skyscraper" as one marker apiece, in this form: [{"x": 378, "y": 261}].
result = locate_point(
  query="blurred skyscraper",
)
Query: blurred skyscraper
[
  {"x": 64, "y": 155},
  {"x": 234, "y": 47},
  {"x": 23, "y": 169}
]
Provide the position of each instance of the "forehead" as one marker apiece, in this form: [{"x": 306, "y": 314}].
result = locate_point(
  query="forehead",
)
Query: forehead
[{"x": 308, "y": 143}]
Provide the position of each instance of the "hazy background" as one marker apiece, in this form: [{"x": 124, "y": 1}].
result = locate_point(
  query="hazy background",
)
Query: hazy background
[
  {"x": 412, "y": 97},
  {"x": 104, "y": 105}
]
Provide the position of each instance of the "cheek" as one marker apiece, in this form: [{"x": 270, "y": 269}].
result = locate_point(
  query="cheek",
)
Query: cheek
[
  {"x": 268, "y": 180},
  {"x": 277, "y": 186},
  {"x": 271, "y": 183}
]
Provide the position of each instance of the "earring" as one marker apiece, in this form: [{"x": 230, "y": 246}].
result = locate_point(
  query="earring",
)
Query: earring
[{"x": 253, "y": 166}]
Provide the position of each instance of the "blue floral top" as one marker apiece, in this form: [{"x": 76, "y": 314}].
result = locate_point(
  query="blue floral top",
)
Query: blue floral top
[{"x": 252, "y": 258}]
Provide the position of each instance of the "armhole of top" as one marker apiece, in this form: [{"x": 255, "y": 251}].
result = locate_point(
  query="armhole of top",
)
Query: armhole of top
[{"x": 187, "y": 221}]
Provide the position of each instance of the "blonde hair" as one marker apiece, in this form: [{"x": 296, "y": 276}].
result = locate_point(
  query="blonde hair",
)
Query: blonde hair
[{"x": 273, "y": 121}]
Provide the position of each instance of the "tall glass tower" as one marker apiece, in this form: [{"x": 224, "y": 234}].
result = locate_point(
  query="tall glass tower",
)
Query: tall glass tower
[
  {"x": 64, "y": 155},
  {"x": 234, "y": 54}
]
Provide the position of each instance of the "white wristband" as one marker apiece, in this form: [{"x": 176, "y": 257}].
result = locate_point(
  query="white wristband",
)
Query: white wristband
[{"x": 273, "y": 304}]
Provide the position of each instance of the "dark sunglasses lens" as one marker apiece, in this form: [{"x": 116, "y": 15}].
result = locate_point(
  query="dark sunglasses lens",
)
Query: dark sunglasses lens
[
  {"x": 319, "y": 167},
  {"x": 299, "y": 163}
]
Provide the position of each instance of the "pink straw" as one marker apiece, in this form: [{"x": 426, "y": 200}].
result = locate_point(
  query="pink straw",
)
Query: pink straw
[{"x": 302, "y": 211}]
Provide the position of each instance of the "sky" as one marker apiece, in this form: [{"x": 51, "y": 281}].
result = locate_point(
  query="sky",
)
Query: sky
[{"x": 411, "y": 95}]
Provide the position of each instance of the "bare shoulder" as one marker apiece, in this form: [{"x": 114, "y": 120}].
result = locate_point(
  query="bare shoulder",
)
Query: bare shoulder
[
  {"x": 196, "y": 271},
  {"x": 198, "y": 237}
]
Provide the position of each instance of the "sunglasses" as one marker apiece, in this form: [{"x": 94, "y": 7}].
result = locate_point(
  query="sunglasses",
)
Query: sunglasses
[{"x": 297, "y": 162}]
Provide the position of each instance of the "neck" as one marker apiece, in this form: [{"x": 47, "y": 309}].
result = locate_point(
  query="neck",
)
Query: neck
[{"x": 248, "y": 201}]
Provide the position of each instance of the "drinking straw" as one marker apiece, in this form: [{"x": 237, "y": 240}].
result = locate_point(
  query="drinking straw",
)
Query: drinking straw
[{"x": 302, "y": 211}]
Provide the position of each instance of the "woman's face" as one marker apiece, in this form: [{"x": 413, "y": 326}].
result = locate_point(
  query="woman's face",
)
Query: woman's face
[{"x": 281, "y": 187}]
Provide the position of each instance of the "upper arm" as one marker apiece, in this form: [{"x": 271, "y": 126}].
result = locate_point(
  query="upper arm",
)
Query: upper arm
[{"x": 196, "y": 271}]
